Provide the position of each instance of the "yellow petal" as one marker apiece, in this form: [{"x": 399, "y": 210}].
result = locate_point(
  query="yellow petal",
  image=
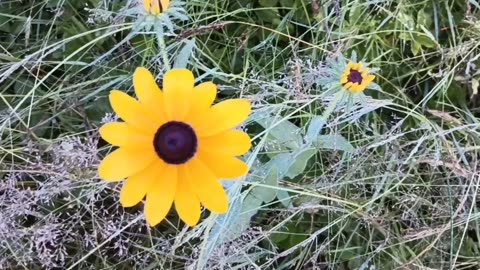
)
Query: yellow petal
[
  {"x": 350, "y": 65},
  {"x": 206, "y": 186},
  {"x": 165, "y": 4},
  {"x": 348, "y": 85},
  {"x": 148, "y": 92},
  {"x": 124, "y": 162},
  {"x": 156, "y": 7},
  {"x": 132, "y": 112},
  {"x": 344, "y": 79},
  {"x": 186, "y": 201},
  {"x": 152, "y": 6},
  {"x": 223, "y": 116},
  {"x": 356, "y": 88},
  {"x": 178, "y": 89},
  {"x": 137, "y": 186},
  {"x": 365, "y": 72},
  {"x": 358, "y": 66},
  {"x": 147, "y": 4},
  {"x": 369, "y": 79},
  {"x": 160, "y": 197},
  {"x": 223, "y": 166},
  {"x": 230, "y": 142},
  {"x": 122, "y": 134},
  {"x": 203, "y": 96}
]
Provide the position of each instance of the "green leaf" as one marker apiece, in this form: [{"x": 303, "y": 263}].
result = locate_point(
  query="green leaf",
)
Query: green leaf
[
  {"x": 268, "y": 3},
  {"x": 287, "y": 3},
  {"x": 184, "y": 55},
  {"x": 41, "y": 117},
  {"x": 333, "y": 142},
  {"x": 4, "y": 23},
  {"x": 300, "y": 162},
  {"x": 416, "y": 47},
  {"x": 297, "y": 233},
  {"x": 456, "y": 94},
  {"x": 355, "y": 12},
  {"x": 406, "y": 20},
  {"x": 355, "y": 263},
  {"x": 281, "y": 162},
  {"x": 267, "y": 15},
  {"x": 277, "y": 237},
  {"x": 425, "y": 41},
  {"x": 284, "y": 133},
  {"x": 405, "y": 36},
  {"x": 97, "y": 109},
  {"x": 268, "y": 194},
  {"x": 316, "y": 124},
  {"x": 423, "y": 18},
  {"x": 53, "y": 3},
  {"x": 284, "y": 198},
  {"x": 231, "y": 225}
]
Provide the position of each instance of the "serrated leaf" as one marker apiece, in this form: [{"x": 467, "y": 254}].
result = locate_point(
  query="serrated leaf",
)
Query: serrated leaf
[
  {"x": 300, "y": 161},
  {"x": 268, "y": 194},
  {"x": 334, "y": 142}
]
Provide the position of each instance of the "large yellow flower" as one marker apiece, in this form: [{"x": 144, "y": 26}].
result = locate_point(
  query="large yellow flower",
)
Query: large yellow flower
[
  {"x": 174, "y": 145},
  {"x": 354, "y": 79},
  {"x": 156, "y": 7}
]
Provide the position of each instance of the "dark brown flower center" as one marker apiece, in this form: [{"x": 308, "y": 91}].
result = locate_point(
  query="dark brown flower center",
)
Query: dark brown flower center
[
  {"x": 175, "y": 142},
  {"x": 355, "y": 76}
]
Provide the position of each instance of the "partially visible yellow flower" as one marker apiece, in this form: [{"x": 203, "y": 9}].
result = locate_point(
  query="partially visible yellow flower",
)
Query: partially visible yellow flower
[
  {"x": 174, "y": 145},
  {"x": 354, "y": 79},
  {"x": 156, "y": 7}
]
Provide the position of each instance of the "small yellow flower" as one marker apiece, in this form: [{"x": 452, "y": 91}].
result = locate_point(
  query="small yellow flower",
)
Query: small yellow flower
[
  {"x": 156, "y": 7},
  {"x": 354, "y": 79},
  {"x": 174, "y": 145}
]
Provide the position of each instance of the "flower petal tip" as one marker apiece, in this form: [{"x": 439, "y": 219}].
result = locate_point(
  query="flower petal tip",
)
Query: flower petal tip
[{"x": 191, "y": 223}]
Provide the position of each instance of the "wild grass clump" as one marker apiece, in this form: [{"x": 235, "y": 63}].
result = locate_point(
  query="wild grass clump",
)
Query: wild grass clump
[{"x": 382, "y": 179}]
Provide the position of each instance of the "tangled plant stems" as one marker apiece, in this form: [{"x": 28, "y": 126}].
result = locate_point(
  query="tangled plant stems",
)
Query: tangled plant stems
[{"x": 174, "y": 145}]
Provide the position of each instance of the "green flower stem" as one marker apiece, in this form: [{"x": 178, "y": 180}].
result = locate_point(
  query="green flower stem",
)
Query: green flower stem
[
  {"x": 163, "y": 48},
  {"x": 333, "y": 104}
]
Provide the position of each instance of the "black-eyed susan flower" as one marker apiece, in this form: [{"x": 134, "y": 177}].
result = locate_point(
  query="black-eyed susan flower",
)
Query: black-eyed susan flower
[
  {"x": 155, "y": 7},
  {"x": 174, "y": 145},
  {"x": 355, "y": 79},
  {"x": 339, "y": 73}
]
